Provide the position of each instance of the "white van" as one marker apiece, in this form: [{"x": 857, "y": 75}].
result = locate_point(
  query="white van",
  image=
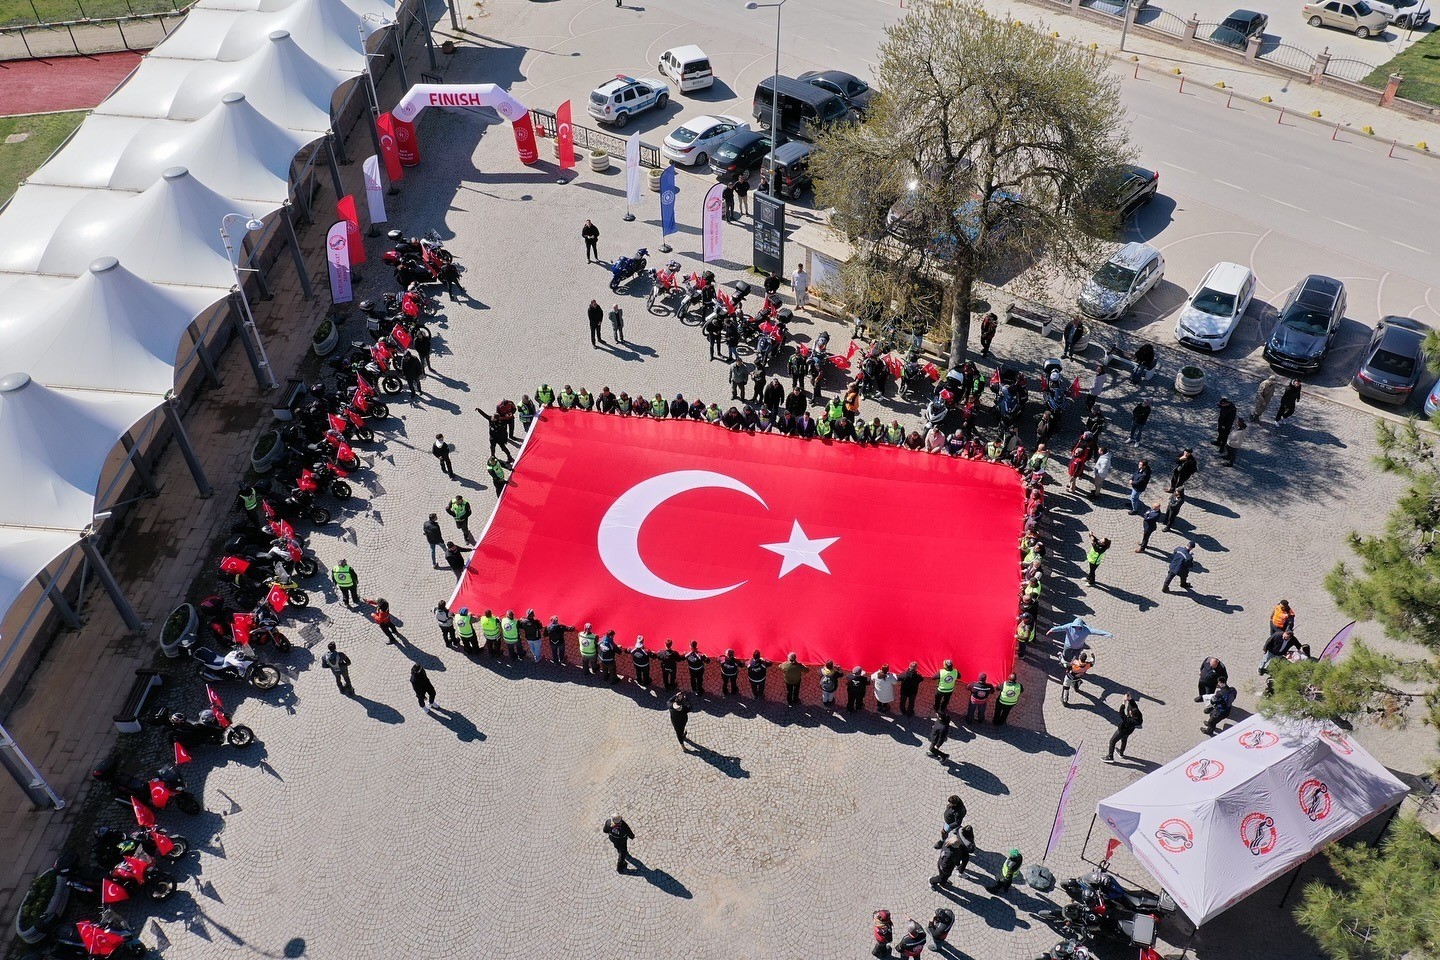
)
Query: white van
[{"x": 687, "y": 67}]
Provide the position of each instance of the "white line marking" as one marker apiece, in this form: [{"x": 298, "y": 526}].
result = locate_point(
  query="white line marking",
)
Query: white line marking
[
  {"x": 1344, "y": 224},
  {"x": 1408, "y": 247},
  {"x": 1186, "y": 169},
  {"x": 1285, "y": 204},
  {"x": 1232, "y": 186},
  {"x": 1176, "y": 126}
]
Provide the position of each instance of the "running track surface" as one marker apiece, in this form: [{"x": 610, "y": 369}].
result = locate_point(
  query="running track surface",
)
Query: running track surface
[{"x": 61, "y": 83}]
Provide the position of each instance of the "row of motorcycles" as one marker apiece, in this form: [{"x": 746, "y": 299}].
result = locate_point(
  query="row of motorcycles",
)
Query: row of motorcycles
[
  {"x": 420, "y": 260},
  {"x": 263, "y": 562},
  {"x": 1102, "y": 907}
]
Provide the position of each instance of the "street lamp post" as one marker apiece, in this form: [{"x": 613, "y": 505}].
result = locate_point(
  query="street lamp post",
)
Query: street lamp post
[
  {"x": 253, "y": 225},
  {"x": 774, "y": 85},
  {"x": 382, "y": 22}
]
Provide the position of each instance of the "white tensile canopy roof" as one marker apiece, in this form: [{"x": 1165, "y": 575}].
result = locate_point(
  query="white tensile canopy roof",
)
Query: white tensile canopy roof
[
  {"x": 280, "y": 80},
  {"x": 328, "y": 30},
  {"x": 24, "y": 554},
  {"x": 56, "y": 444},
  {"x": 375, "y": 8},
  {"x": 105, "y": 330},
  {"x": 168, "y": 234},
  {"x": 1239, "y": 810},
  {"x": 233, "y": 148}
]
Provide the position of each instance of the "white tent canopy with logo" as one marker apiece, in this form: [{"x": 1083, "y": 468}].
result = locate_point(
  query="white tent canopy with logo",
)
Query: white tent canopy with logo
[{"x": 1221, "y": 821}]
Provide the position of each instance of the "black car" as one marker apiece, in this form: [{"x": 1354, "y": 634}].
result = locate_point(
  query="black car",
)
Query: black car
[
  {"x": 1393, "y": 361},
  {"x": 1107, "y": 203},
  {"x": 741, "y": 152},
  {"x": 1308, "y": 322},
  {"x": 1238, "y": 28},
  {"x": 855, "y": 92}
]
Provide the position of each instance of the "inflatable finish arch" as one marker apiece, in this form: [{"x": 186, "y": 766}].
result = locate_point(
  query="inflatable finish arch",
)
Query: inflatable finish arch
[{"x": 425, "y": 95}]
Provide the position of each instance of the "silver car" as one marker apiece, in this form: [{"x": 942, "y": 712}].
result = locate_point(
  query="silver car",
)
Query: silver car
[{"x": 1122, "y": 282}]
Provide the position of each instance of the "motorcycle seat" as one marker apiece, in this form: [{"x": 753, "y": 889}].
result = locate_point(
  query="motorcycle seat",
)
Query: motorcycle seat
[{"x": 208, "y": 658}]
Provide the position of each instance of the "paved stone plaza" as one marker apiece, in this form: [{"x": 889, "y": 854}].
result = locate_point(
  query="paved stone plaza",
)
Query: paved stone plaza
[{"x": 365, "y": 828}]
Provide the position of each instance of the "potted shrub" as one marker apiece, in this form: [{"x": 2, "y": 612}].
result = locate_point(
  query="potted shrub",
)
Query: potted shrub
[
  {"x": 1190, "y": 381},
  {"x": 327, "y": 336},
  {"x": 179, "y": 629},
  {"x": 267, "y": 451},
  {"x": 599, "y": 161},
  {"x": 42, "y": 907},
  {"x": 653, "y": 174}
]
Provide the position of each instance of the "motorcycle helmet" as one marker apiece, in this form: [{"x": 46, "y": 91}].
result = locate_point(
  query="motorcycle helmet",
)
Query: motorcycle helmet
[
  {"x": 391, "y": 257},
  {"x": 395, "y": 236},
  {"x": 946, "y": 397}
]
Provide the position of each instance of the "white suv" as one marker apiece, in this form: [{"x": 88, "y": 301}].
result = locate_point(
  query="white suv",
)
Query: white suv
[
  {"x": 1117, "y": 287},
  {"x": 616, "y": 101},
  {"x": 1212, "y": 313}
]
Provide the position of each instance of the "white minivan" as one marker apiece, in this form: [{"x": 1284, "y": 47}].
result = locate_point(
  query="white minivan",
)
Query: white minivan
[{"x": 687, "y": 67}]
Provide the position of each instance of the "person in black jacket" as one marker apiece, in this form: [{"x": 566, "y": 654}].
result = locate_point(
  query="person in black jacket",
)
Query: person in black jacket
[
  {"x": 939, "y": 733},
  {"x": 954, "y": 855},
  {"x": 680, "y": 715},
  {"x": 910, "y": 688},
  {"x": 1185, "y": 467},
  {"x": 729, "y": 674},
  {"x": 596, "y": 315},
  {"x": 619, "y": 834},
  {"x": 669, "y": 661},
  {"x": 1212, "y": 672},
  {"x": 952, "y": 819},
  {"x": 1130, "y": 721},
  {"x": 424, "y": 689},
  {"x": 640, "y": 660},
  {"x": 555, "y": 632},
  {"x": 855, "y": 686},
  {"x": 755, "y": 671},
  {"x": 591, "y": 235},
  {"x": 773, "y": 396},
  {"x": 678, "y": 407},
  {"x": 696, "y": 661}
]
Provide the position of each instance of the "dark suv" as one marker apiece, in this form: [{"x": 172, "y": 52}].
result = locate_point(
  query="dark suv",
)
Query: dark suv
[
  {"x": 1116, "y": 194},
  {"x": 741, "y": 152},
  {"x": 1308, "y": 322}
]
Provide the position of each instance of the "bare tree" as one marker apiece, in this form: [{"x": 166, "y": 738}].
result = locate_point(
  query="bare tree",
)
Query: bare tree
[{"x": 979, "y": 151}]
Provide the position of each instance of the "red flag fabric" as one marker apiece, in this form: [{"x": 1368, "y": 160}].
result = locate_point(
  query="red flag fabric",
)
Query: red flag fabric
[
  {"x": 143, "y": 815},
  {"x": 277, "y": 598},
  {"x": 345, "y": 210},
  {"x": 98, "y": 941},
  {"x": 565, "y": 136},
  {"x": 112, "y": 892},
  {"x": 163, "y": 843},
  {"x": 688, "y": 531},
  {"x": 407, "y": 143},
  {"x": 159, "y": 794},
  {"x": 389, "y": 148},
  {"x": 181, "y": 754},
  {"x": 216, "y": 703},
  {"x": 1111, "y": 846}
]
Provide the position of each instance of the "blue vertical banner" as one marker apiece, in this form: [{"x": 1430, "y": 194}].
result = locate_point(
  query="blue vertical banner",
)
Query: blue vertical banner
[{"x": 667, "y": 201}]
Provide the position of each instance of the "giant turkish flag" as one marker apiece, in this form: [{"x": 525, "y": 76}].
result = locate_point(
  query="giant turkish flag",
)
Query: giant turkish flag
[{"x": 685, "y": 530}]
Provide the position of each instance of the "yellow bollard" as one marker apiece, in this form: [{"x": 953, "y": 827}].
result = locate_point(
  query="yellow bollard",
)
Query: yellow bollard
[
  {"x": 1266, "y": 99},
  {"x": 1367, "y": 129},
  {"x": 1315, "y": 114},
  {"x": 1175, "y": 70},
  {"x": 1422, "y": 145},
  {"x": 1220, "y": 84}
]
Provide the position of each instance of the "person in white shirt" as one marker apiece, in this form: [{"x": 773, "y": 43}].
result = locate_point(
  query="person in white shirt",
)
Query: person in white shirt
[
  {"x": 801, "y": 282},
  {"x": 1103, "y": 466},
  {"x": 886, "y": 683}
]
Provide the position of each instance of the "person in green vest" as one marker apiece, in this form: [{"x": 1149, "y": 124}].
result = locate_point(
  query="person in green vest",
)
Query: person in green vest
[
  {"x": 713, "y": 413},
  {"x": 1037, "y": 459},
  {"x": 1094, "y": 555},
  {"x": 823, "y": 428},
  {"x": 459, "y": 509},
  {"x": 510, "y": 633},
  {"x": 585, "y": 400},
  {"x": 1024, "y": 634},
  {"x": 945, "y": 682},
  {"x": 347, "y": 580},
  {"x": 1009, "y": 695},
  {"x": 545, "y": 396},
  {"x": 588, "y": 641},
  {"x": 659, "y": 409},
  {"x": 465, "y": 630},
  {"x": 567, "y": 398},
  {"x": 496, "y": 469},
  {"x": 1008, "y": 871},
  {"x": 490, "y": 630},
  {"x": 994, "y": 450},
  {"x": 248, "y": 499},
  {"x": 895, "y": 434},
  {"x": 836, "y": 409},
  {"x": 526, "y": 409}
]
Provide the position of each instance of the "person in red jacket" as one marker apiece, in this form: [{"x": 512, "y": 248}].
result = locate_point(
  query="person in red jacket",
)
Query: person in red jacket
[{"x": 383, "y": 619}]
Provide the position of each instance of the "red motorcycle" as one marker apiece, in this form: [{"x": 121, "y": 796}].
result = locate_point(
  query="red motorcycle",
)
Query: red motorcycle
[
  {"x": 257, "y": 628},
  {"x": 664, "y": 282},
  {"x": 350, "y": 424},
  {"x": 136, "y": 874},
  {"x": 322, "y": 476}
]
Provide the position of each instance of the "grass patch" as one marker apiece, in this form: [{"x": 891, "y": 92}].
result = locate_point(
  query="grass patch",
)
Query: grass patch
[
  {"x": 19, "y": 160},
  {"x": 25, "y": 12},
  {"x": 1419, "y": 65}
]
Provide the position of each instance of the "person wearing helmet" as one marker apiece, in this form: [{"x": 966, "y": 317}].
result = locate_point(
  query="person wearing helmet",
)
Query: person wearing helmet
[
  {"x": 912, "y": 944},
  {"x": 1008, "y": 871}
]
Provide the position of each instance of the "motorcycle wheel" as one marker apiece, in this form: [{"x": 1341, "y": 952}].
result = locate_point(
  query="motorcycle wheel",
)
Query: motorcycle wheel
[
  {"x": 654, "y": 295},
  {"x": 306, "y": 567},
  {"x": 340, "y": 490},
  {"x": 389, "y": 383},
  {"x": 187, "y": 804},
  {"x": 320, "y": 515},
  {"x": 419, "y": 328},
  {"x": 159, "y": 885},
  {"x": 134, "y": 948},
  {"x": 180, "y": 848},
  {"x": 299, "y": 598},
  {"x": 379, "y": 410},
  {"x": 282, "y": 642},
  {"x": 264, "y": 676},
  {"x": 364, "y": 434},
  {"x": 239, "y": 735}
]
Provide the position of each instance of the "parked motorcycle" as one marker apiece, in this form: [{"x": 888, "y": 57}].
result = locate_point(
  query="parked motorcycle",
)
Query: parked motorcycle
[
  {"x": 626, "y": 267},
  {"x": 107, "y": 936},
  {"x": 699, "y": 290},
  {"x": 211, "y": 727},
  {"x": 664, "y": 283},
  {"x": 236, "y": 628},
  {"x": 157, "y": 793},
  {"x": 134, "y": 875},
  {"x": 112, "y": 843},
  {"x": 1071, "y": 948},
  {"x": 239, "y": 664}
]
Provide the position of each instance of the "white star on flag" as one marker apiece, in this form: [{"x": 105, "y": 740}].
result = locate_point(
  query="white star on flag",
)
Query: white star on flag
[{"x": 800, "y": 550}]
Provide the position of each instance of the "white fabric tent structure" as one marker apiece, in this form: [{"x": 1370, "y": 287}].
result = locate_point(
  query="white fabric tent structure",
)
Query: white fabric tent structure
[
  {"x": 328, "y": 30},
  {"x": 57, "y": 442},
  {"x": 24, "y": 555},
  {"x": 375, "y": 8},
  {"x": 1221, "y": 821},
  {"x": 233, "y": 148},
  {"x": 281, "y": 81},
  {"x": 106, "y": 330},
  {"x": 178, "y": 218}
]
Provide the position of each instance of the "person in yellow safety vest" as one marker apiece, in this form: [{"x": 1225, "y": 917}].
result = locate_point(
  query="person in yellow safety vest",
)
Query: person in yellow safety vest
[
  {"x": 347, "y": 580},
  {"x": 567, "y": 397},
  {"x": 1024, "y": 634},
  {"x": 994, "y": 450},
  {"x": 1032, "y": 589},
  {"x": 659, "y": 409},
  {"x": 510, "y": 632},
  {"x": 545, "y": 396},
  {"x": 836, "y": 410},
  {"x": 945, "y": 682},
  {"x": 1009, "y": 696},
  {"x": 465, "y": 630},
  {"x": 587, "y": 640},
  {"x": 895, "y": 434},
  {"x": 713, "y": 414},
  {"x": 490, "y": 630},
  {"x": 823, "y": 429},
  {"x": 584, "y": 400}
]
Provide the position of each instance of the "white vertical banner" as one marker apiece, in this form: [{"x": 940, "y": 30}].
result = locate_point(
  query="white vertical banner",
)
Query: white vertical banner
[
  {"x": 374, "y": 189},
  {"x": 634, "y": 185},
  {"x": 1057, "y": 829},
  {"x": 337, "y": 255},
  {"x": 711, "y": 218}
]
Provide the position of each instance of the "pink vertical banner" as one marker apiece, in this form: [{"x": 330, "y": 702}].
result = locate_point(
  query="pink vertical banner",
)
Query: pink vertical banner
[
  {"x": 1338, "y": 643},
  {"x": 337, "y": 255},
  {"x": 1059, "y": 827},
  {"x": 712, "y": 218}
]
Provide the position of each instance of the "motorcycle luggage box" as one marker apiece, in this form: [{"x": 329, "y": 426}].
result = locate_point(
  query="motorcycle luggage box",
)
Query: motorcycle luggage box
[
  {"x": 1141, "y": 929},
  {"x": 741, "y": 288}
]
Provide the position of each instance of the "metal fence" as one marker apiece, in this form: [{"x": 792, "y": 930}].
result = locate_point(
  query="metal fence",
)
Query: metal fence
[
  {"x": 30, "y": 13},
  {"x": 84, "y": 37},
  {"x": 588, "y": 138},
  {"x": 1284, "y": 55},
  {"x": 1162, "y": 20},
  {"x": 1353, "y": 70}
]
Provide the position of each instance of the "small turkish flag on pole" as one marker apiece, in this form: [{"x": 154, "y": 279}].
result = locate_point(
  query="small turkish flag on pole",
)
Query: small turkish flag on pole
[
  {"x": 686, "y": 530},
  {"x": 181, "y": 754},
  {"x": 345, "y": 210},
  {"x": 143, "y": 815},
  {"x": 565, "y": 136}
]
